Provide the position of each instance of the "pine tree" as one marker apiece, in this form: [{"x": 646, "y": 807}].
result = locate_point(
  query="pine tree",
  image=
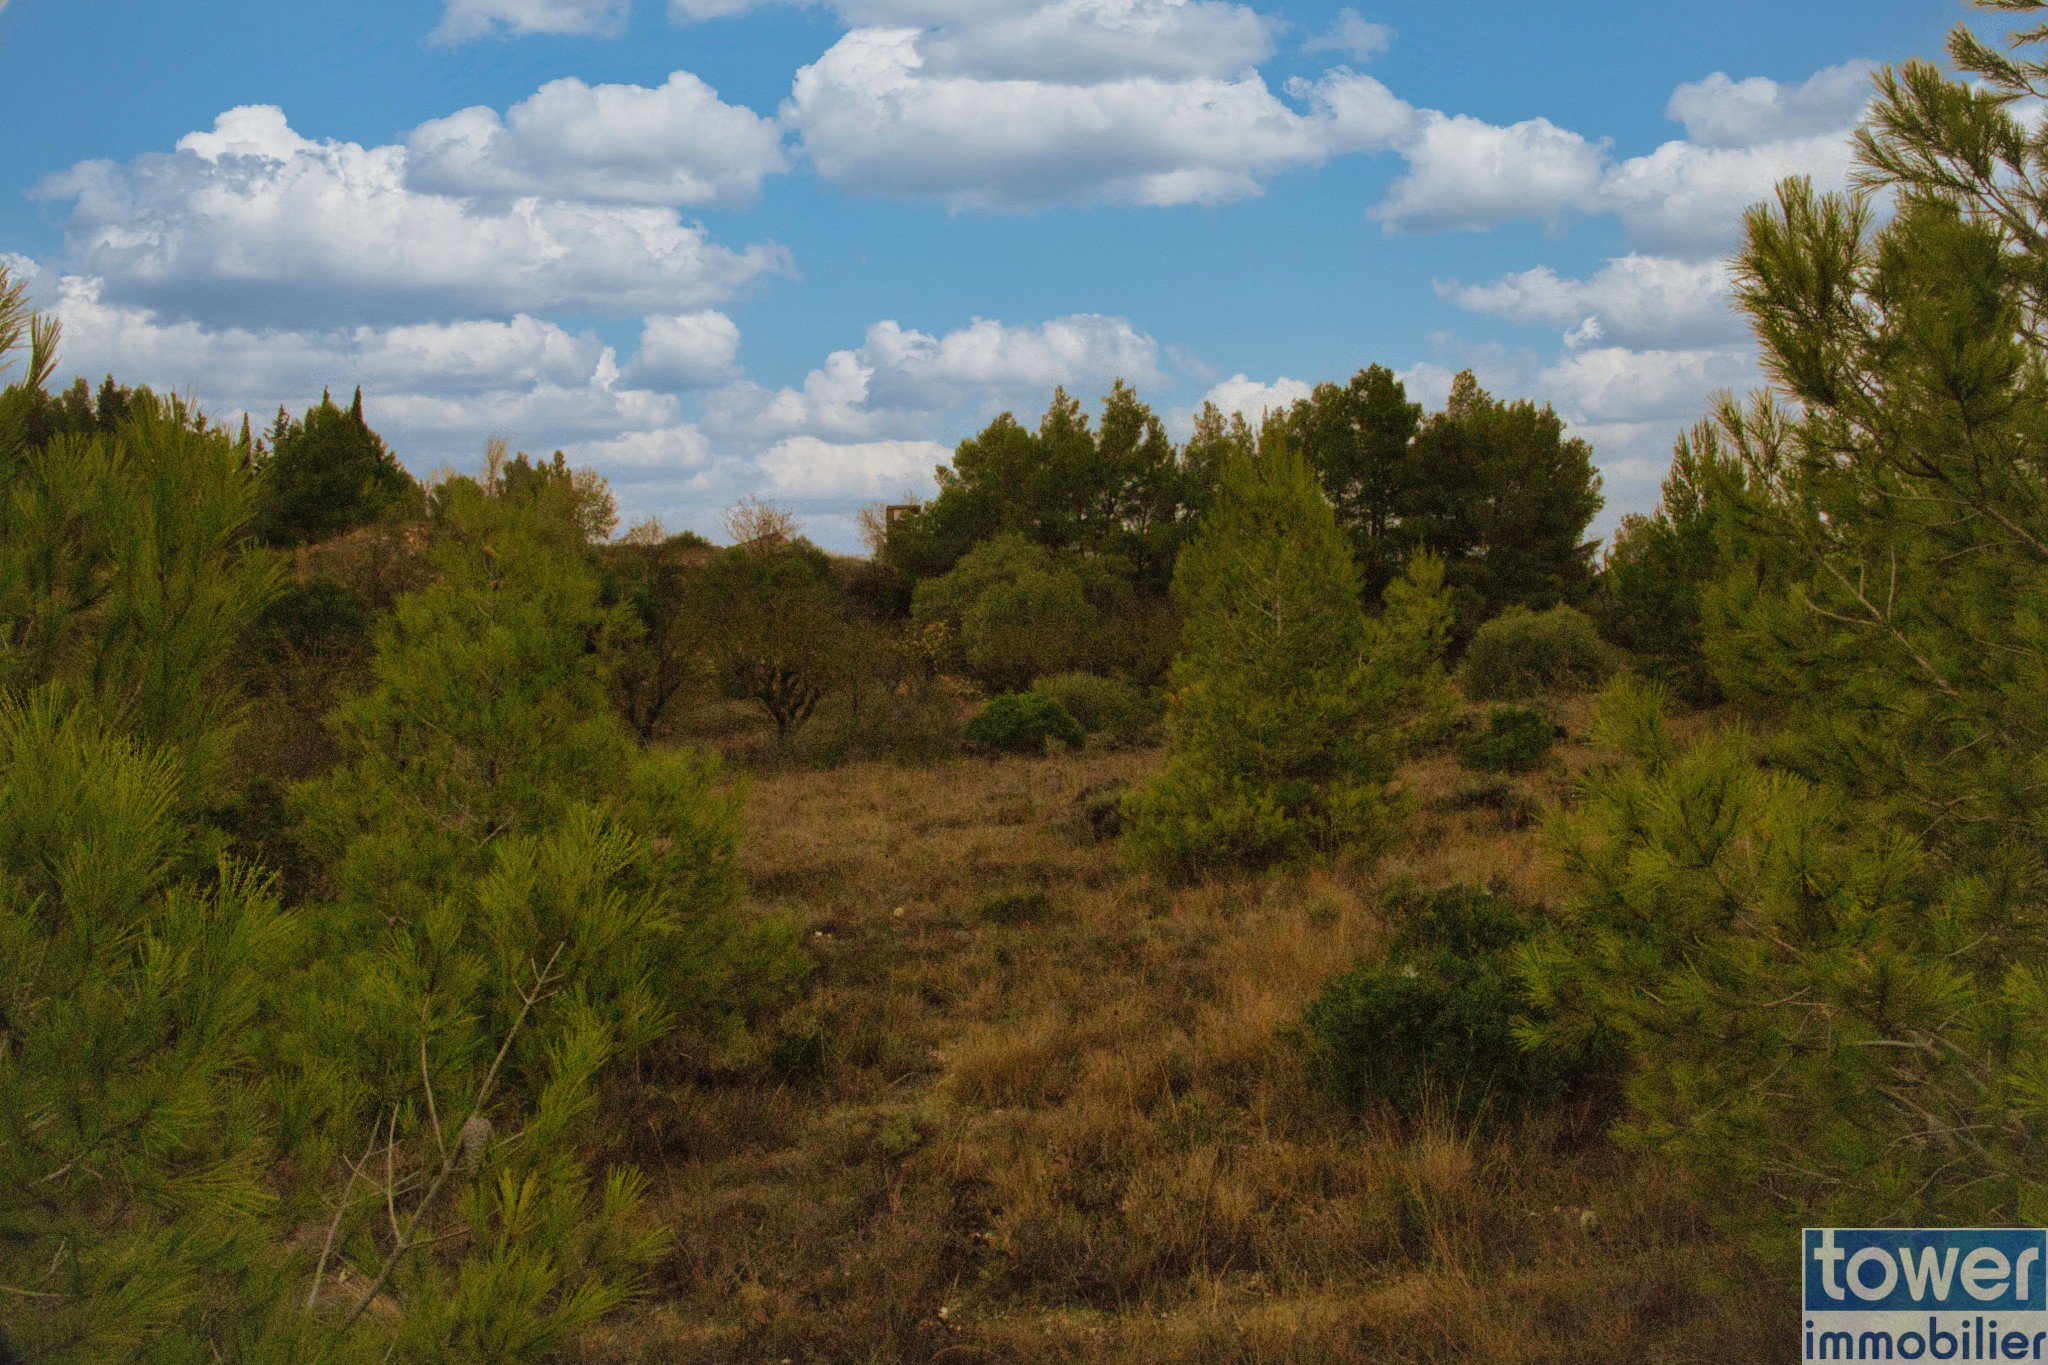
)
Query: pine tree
[
  {"x": 1827, "y": 947},
  {"x": 516, "y": 900},
  {"x": 327, "y": 473},
  {"x": 1286, "y": 714}
]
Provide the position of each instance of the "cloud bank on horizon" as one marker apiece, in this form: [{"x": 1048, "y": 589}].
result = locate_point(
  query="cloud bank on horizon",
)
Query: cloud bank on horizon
[{"x": 546, "y": 267}]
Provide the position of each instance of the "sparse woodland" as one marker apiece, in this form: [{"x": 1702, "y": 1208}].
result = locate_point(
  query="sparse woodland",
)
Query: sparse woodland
[{"x": 1282, "y": 896}]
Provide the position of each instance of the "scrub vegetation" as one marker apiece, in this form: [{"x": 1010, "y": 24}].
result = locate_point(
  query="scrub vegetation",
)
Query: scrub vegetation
[{"x": 1111, "y": 920}]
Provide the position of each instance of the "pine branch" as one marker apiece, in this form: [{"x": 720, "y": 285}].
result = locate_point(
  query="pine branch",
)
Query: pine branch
[{"x": 528, "y": 998}]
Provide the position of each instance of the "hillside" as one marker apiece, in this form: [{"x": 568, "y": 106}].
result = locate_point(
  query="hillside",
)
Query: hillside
[{"x": 1037, "y": 1107}]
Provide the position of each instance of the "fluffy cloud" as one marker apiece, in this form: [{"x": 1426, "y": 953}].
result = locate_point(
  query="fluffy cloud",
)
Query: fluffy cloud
[
  {"x": 1078, "y": 41},
  {"x": 1632, "y": 300},
  {"x": 901, "y": 383},
  {"x": 1722, "y": 112},
  {"x": 874, "y": 118},
  {"x": 677, "y": 143},
  {"x": 1685, "y": 198},
  {"x": 435, "y": 388},
  {"x": 251, "y": 222},
  {"x": 1353, "y": 36},
  {"x": 809, "y": 468},
  {"x": 685, "y": 351},
  {"x": 1465, "y": 173},
  {"x": 1075, "y": 41},
  {"x": 1616, "y": 384},
  {"x": 466, "y": 19},
  {"x": 1254, "y": 399}
]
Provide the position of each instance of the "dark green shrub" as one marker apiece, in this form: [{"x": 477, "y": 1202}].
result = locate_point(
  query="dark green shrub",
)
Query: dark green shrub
[
  {"x": 1432, "y": 1025},
  {"x": 1520, "y": 653},
  {"x": 1022, "y": 723},
  {"x": 1104, "y": 706},
  {"x": 1515, "y": 740}
]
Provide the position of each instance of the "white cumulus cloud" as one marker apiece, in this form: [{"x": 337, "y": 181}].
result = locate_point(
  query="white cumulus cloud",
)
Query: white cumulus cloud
[
  {"x": 685, "y": 351},
  {"x": 874, "y": 118},
  {"x": 1253, "y": 399},
  {"x": 903, "y": 383},
  {"x": 676, "y": 143},
  {"x": 1723, "y": 112},
  {"x": 1634, "y": 299},
  {"x": 1466, "y": 173},
  {"x": 811, "y": 468},
  {"x": 251, "y": 222}
]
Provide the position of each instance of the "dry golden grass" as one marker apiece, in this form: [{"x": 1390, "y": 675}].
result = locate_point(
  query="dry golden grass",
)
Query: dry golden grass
[{"x": 1075, "y": 1130}]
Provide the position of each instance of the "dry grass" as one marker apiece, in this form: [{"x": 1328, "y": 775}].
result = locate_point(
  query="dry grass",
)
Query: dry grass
[{"x": 1074, "y": 1129}]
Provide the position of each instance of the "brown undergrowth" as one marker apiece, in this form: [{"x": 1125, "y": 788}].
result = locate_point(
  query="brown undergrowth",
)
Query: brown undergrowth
[{"x": 1039, "y": 1107}]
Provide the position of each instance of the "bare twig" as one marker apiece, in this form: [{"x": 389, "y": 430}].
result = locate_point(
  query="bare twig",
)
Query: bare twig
[
  {"x": 427, "y": 1084},
  {"x": 528, "y": 998},
  {"x": 327, "y": 1247}
]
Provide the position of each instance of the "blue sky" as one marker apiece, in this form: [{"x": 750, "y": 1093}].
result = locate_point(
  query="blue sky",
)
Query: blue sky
[{"x": 721, "y": 247}]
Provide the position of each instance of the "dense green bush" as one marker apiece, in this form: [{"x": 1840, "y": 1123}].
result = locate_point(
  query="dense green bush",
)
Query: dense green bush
[
  {"x": 1431, "y": 1027},
  {"x": 1515, "y": 740},
  {"x": 1103, "y": 706},
  {"x": 1023, "y": 723},
  {"x": 1520, "y": 653}
]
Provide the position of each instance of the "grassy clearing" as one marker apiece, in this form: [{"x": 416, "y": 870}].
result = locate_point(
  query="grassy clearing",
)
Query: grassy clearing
[{"x": 1036, "y": 1107}]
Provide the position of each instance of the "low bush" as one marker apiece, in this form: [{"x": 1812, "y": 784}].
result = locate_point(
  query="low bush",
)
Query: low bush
[
  {"x": 1023, "y": 723},
  {"x": 1515, "y": 740},
  {"x": 1103, "y": 706},
  {"x": 1432, "y": 1025},
  {"x": 1520, "y": 653}
]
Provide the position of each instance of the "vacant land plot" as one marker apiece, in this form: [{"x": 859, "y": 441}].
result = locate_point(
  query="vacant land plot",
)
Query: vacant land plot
[{"x": 1034, "y": 1106}]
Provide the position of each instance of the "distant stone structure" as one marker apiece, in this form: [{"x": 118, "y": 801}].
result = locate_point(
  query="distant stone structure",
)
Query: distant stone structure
[{"x": 898, "y": 512}]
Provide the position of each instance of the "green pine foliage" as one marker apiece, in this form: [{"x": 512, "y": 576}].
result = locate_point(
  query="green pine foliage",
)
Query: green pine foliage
[
  {"x": 1494, "y": 489},
  {"x": 120, "y": 580},
  {"x": 1650, "y": 599},
  {"x": 135, "y": 1205},
  {"x": 1288, "y": 707},
  {"x": 328, "y": 472},
  {"x": 1109, "y": 707},
  {"x": 1824, "y": 947},
  {"x": 516, "y": 900}
]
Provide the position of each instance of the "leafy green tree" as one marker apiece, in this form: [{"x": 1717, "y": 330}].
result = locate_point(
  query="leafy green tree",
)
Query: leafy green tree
[
  {"x": 655, "y": 667},
  {"x": 1496, "y": 490},
  {"x": 1287, "y": 710},
  {"x": 1018, "y": 611},
  {"x": 1115, "y": 490},
  {"x": 1824, "y": 950},
  {"x": 777, "y": 626},
  {"x": 326, "y": 473},
  {"x": 1360, "y": 437},
  {"x": 1650, "y": 596},
  {"x": 1504, "y": 496}
]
